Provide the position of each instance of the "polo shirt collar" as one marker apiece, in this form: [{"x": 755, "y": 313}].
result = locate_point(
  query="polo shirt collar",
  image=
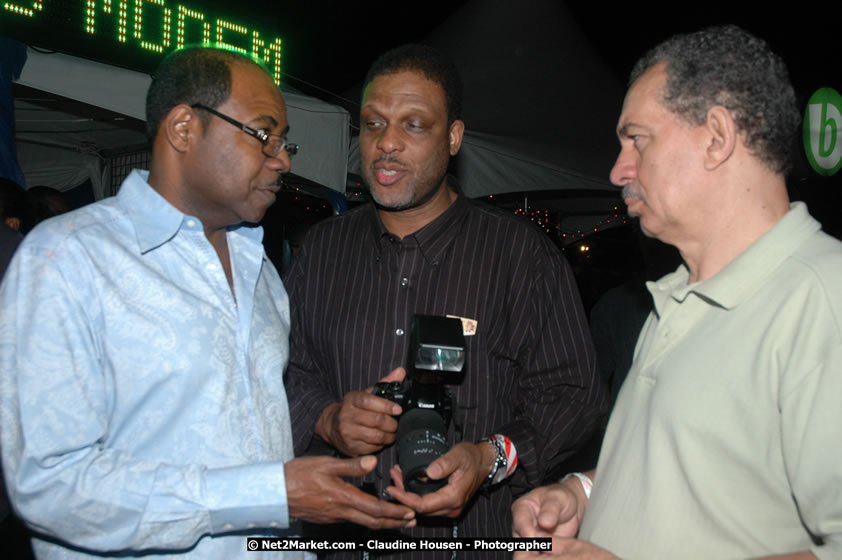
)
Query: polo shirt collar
[{"x": 741, "y": 277}]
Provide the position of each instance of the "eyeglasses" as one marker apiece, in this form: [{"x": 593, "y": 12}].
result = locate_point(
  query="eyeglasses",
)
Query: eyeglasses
[{"x": 272, "y": 143}]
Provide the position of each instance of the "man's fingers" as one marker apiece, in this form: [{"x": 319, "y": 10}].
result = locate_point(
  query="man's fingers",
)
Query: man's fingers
[
  {"x": 361, "y": 518},
  {"x": 458, "y": 458},
  {"x": 397, "y": 476},
  {"x": 377, "y": 523},
  {"x": 442, "y": 502},
  {"x": 546, "y": 511},
  {"x": 379, "y": 404},
  {"x": 524, "y": 528},
  {"x": 552, "y": 512},
  {"x": 377, "y": 508},
  {"x": 409, "y": 499},
  {"x": 317, "y": 493},
  {"x": 365, "y": 410},
  {"x": 438, "y": 469},
  {"x": 371, "y": 512},
  {"x": 376, "y": 438},
  {"x": 397, "y": 374},
  {"x": 357, "y": 466},
  {"x": 548, "y": 518},
  {"x": 365, "y": 400},
  {"x": 525, "y": 517},
  {"x": 357, "y": 430}
]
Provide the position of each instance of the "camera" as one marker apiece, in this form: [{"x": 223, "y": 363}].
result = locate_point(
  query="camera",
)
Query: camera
[{"x": 436, "y": 358}]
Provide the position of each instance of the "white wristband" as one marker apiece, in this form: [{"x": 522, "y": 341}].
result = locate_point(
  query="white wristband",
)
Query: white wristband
[{"x": 587, "y": 483}]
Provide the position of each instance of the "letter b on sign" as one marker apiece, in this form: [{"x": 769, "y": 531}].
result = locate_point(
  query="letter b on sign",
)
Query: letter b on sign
[{"x": 823, "y": 131}]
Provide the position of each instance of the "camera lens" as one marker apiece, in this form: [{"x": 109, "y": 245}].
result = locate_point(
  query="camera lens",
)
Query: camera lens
[{"x": 421, "y": 438}]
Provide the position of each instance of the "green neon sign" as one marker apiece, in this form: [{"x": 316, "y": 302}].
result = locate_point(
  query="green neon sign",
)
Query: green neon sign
[
  {"x": 823, "y": 131},
  {"x": 138, "y": 33}
]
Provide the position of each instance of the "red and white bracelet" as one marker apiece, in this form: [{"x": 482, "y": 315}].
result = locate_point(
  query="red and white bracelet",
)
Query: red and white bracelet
[
  {"x": 505, "y": 462},
  {"x": 587, "y": 483}
]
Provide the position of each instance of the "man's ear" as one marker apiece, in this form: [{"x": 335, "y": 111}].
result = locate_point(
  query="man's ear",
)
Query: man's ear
[
  {"x": 454, "y": 136},
  {"x": 722, "y": 137},
  {"x": 180, "y": 127}
]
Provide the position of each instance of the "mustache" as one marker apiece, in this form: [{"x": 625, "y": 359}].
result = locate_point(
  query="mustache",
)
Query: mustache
[
  {"x": 388, "y": 158},
  {"x": 629, "y": 192}
]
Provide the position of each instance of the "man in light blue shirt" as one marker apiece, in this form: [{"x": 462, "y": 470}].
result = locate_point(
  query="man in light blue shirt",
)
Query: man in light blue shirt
[{"x": 143, "y": 341}]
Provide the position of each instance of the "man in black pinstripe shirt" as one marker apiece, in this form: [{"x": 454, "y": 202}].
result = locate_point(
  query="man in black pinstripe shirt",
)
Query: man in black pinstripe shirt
[{"x": 422, "y": 247}]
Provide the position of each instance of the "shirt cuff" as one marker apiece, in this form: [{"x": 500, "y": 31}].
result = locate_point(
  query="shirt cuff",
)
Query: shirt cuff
[{"x": 247, "y": 497}]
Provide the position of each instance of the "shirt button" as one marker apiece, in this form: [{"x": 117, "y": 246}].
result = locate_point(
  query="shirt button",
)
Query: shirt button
[
  {"x": 191, "y": 223},
  {"x": 211, "y": 266},
  {"x": 399, "y": 332},
  {"x": 404, "y": 282}
]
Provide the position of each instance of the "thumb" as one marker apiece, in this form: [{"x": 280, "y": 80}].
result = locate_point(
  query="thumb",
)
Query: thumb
[
  {"x": 438, "y": 469},
  {"x": 397, "y": 374},
  {"x": 355, "y": 466},
  {"x": 358, "y": 466}
]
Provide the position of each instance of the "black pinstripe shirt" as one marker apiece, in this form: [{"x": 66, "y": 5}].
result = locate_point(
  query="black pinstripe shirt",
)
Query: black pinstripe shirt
[{"x": 530, "y": 372}]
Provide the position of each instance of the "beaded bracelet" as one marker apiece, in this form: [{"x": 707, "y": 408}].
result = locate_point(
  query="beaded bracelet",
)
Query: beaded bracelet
[
  {"x": 505, "y": 462},
  {"x": 587, "y": 483}
]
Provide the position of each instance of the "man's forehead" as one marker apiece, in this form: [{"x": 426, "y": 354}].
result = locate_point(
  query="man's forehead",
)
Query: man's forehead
[
  {"x": 649, "y": 85},
  {"x": 378, "y": 97},
  {"x": 253, "y": 88},
  {"x": 646, "y": 92},
  {"x": 405, "y": 86}
]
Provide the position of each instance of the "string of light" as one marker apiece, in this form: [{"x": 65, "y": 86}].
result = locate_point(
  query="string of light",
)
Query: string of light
[{"x": 545, "y": 220}]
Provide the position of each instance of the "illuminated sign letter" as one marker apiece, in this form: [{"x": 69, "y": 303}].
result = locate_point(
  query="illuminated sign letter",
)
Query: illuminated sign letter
[
  {"x": 222, "y": 25},
  {"x": 165, "y": 27},
  {"x": 37, "y": 6},
  {"x": 823, "y": 131},
  {"x": 183, "y": 14},
  {"x": 90, "y": 17},
  {"x": 271, "y": 55}
]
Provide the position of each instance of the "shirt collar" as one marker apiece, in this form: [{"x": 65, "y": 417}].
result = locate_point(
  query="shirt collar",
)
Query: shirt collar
[
  {"x": 750, "y": 269},
  {"x": 156, "y": 221},
  {"x": 434, "y": 238}
]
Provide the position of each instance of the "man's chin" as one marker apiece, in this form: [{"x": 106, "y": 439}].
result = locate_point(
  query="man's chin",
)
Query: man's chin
[
  {"x": 392, "y": 207},
  {"x": 633, "y": 205},
  {"x": 395, "y": 203}
]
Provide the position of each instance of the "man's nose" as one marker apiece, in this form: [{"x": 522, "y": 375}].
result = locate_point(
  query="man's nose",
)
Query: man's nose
[
  {"x": 390, "y": 140},
  {"x": 624, "y": 170},
  {"x": 280, "y": 162}
]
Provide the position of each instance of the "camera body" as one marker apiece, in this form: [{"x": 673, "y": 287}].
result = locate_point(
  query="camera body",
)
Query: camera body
[{"x": 436, "y": 358}]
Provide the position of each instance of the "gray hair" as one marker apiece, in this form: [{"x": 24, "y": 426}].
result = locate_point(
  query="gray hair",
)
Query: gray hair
[{"x": 729, "y": 67}]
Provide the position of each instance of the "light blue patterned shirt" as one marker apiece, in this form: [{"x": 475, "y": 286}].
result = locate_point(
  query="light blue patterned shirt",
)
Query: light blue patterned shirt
[{"x": 143, "y": 406}]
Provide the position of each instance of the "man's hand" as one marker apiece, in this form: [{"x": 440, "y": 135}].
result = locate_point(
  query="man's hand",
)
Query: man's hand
[
  {"x": 465, "y": 467},
  {"x": 316, "y": 493},
  {"x": 548, "y": 511},
  {"x": 362, "y": 423},
  {"x": 572, "y": 549}
]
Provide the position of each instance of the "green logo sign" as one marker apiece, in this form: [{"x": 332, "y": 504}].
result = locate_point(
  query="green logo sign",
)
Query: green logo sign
[{"x": 823, "y": 131}]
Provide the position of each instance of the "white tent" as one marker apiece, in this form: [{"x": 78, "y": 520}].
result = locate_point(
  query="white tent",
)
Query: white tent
[{"x": 62, "y": 149}]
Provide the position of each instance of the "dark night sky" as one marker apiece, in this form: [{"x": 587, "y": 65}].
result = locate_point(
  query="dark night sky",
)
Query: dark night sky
[{"x": 333, "y": 51}]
